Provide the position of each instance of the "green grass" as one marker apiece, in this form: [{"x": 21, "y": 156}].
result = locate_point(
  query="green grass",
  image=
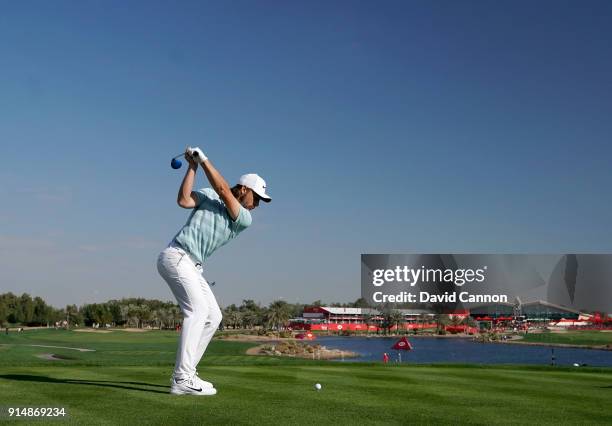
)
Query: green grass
[
  {"x": 115, "y": 348},
  {"x": 126, "y": 382},
  {"x": 586, "y": 338}
]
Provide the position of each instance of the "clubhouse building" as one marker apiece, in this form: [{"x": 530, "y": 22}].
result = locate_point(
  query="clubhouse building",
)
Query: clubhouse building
[{"x": 338, "y": 319}]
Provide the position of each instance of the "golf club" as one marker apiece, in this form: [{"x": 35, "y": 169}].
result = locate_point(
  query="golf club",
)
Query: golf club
[{"x": 176, "y": 163}]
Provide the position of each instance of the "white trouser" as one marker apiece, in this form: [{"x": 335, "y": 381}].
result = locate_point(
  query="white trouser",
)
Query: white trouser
[{"x": 201, "y": 313}]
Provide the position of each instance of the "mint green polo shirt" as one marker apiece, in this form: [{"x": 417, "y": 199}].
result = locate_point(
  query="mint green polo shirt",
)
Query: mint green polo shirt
[{"x": 210, "y": 226}]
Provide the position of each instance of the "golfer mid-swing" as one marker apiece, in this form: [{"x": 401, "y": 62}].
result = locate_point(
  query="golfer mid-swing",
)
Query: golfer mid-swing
[{"x": 219, "y": 214}]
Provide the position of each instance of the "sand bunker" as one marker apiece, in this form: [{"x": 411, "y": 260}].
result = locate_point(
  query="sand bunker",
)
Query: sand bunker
[
  {"x": 51, "y": 357},
  {"x": 64, "y": 347},
  {"x": 131, "y": 330}
]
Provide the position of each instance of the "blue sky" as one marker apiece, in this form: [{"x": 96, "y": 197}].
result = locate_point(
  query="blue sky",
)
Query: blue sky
[{"x": 380, "y": 127}]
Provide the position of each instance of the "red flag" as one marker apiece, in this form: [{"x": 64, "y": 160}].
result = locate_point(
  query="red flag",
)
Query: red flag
[{"x": 402, "y": 345}]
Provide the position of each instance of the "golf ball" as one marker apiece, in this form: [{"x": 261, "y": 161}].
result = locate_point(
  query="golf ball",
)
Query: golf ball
[{"x": 318, "y": 386}]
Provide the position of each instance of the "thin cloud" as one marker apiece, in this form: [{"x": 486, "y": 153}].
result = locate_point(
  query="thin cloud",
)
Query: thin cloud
[
  {"x": 15, "y": 243},
  {"x": 134, "y": 243},
  {"x": 47, "y": 194},
  {"x": 90, "y": 248}
]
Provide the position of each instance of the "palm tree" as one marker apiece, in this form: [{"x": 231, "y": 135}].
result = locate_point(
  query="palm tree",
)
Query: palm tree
[
  {"x": 386, "y": 321},
  {"x": 106, "y": 316},
  {"x": 176, "y": 315},
  {"x": 161, "y": 314},
  {"x": 249, "y": 319},
  {"x": 367, "y": 320},
  {"x": 469, "y": 322},
  {"x": 278, "y": 314},
  {"x": 134, "y": 315},
  {"x": 456, "y": 320},
  {"x": 422, "y": 319},
  {"x": 233, "y": 318},
  {"x": 156, "y": 316},
  {"x": 125, "y": 313},
  {"x": 145, "y": 315},
  {"x": 441, "y": 322},
  {"x": 396, "y": 318}
]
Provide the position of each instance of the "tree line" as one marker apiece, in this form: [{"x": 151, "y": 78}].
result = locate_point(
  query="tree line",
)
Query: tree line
[{"x": 141, "y": 313}]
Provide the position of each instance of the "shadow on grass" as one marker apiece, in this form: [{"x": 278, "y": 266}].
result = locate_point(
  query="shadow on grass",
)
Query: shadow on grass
[{"x": 101, "y": 383}]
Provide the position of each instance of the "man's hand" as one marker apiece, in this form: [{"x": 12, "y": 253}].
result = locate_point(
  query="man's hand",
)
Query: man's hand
[
  {"x": 186, "y": 198},
  {"x": 196, "y": 154},
  {"x": 193, "y": 163}
]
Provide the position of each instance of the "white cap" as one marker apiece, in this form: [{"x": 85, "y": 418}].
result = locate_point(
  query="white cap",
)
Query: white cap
[{"x": 257, "y": 184}]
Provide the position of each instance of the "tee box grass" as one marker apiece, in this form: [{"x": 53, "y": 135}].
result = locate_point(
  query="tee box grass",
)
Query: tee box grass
[{"x": 125, "y": 380}]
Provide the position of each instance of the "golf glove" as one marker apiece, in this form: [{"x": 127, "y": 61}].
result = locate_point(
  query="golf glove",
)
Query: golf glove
[
  {"x": 188, "y": 155},
  {"x": 197, "y": 154}
]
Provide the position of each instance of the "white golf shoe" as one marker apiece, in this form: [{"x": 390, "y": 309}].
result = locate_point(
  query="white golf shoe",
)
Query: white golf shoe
[
  {"x": 203, "y": 383},
  {"x": 192, "y": 386},
  {"x": 197, "y": 378}
]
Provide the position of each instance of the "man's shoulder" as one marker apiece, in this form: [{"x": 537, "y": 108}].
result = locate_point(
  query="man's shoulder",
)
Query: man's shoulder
[
  {"x": 244, "y": 217},
  {"x": 209, "y": 193}
]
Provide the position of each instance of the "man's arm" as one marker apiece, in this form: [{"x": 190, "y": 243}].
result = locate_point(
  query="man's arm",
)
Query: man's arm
[
  {"x": 186, "y": 198},
  {"x": 222, "y": 188}
]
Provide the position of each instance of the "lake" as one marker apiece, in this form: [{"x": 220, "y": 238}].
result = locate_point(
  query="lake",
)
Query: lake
[{"x": 428, "y": 350}]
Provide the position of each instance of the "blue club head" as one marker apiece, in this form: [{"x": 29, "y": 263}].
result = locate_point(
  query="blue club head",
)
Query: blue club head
[{"x": 176, "y": 164}]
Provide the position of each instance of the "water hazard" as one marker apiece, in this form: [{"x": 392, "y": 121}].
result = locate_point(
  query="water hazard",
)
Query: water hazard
[{"x": 428, "y": 350}]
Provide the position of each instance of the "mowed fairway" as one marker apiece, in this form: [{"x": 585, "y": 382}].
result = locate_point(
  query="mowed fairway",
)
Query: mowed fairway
[
  {"x": 584, "y": 338},
  {"x": 126, "y": 381}
]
